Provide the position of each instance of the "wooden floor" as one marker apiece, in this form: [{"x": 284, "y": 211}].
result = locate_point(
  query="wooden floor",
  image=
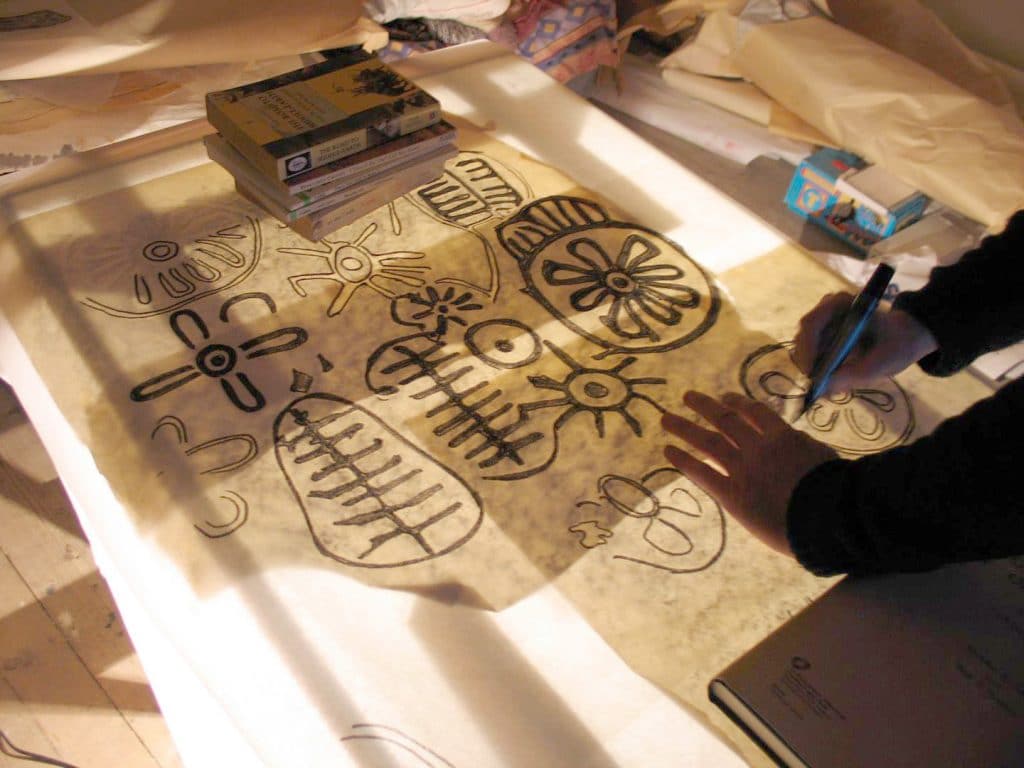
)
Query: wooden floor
[{"x": 71, "y": 687}]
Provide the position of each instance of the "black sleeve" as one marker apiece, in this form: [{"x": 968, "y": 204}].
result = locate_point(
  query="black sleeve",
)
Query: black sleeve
[
  {"x": 950, "y": 496},
  {"x": 976, "y": 305}
]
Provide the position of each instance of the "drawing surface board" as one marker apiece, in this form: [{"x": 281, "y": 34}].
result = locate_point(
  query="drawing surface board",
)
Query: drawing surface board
[{"x": 412, "y": 473}]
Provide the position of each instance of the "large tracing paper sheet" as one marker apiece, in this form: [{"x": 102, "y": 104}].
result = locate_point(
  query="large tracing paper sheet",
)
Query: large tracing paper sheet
[{"x": 455, "y": 398}]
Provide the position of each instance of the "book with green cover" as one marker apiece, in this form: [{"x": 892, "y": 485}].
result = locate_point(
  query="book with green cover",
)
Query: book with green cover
[{"x": 292, "y": 123}]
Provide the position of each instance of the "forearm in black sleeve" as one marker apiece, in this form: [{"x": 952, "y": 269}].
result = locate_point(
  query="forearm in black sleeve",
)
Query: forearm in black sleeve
[
  {"x": 953, "y": 495},
  {"x": 976, "y": 305}
]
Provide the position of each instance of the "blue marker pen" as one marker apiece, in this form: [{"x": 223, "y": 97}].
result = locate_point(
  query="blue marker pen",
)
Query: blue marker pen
[{"x": 836, "y": 349}]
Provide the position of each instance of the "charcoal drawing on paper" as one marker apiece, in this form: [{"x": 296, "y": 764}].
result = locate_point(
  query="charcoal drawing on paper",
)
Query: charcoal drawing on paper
[
  {"x": 166, "y": 261},
  {"x": 221, "y": 455},
  {"x": 219, "y": 361},
  {"x": 620, "y": 285},
  {"x": 471, "y": 415},
  {"x": 371, "y": 498},
  {"x": 474, "y": 193},
  {"x": 864, "y": 420},
  {"x": 670, "y": 523},
  {"x": 353, "y": 265},
  {"x": 405, "y": 751}
]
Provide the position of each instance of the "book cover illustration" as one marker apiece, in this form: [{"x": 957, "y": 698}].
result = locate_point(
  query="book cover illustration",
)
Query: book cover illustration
[{"x": 304, "y": 119}]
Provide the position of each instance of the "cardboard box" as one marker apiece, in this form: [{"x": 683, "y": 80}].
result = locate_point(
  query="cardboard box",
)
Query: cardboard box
[{"x": 858, "y": 203}]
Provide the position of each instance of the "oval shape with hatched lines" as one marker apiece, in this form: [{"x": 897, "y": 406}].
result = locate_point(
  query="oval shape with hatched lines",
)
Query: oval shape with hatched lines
[{"x": 371, "y": 498}]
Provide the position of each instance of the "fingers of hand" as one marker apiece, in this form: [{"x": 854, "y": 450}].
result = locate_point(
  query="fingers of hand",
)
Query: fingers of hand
[
  {"x": 759, "y": 415},
  {"x": 808, "y": 336},
  {"x": 714, "y": 483},
  {"x": 865, "y": 364},
  {"x": 714, "y": 444},
  {"x": 727, "y": 420},
  {"x": 845, "y": 378}
]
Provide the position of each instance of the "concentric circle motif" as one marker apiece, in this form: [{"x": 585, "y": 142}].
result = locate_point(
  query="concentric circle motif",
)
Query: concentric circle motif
[
  {"x": 503, "y": 343},
  {"x": 216, "y": 360}
]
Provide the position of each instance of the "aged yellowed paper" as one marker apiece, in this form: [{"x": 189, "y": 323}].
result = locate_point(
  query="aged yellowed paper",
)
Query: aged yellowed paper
[{"x": 456, "y": 396}]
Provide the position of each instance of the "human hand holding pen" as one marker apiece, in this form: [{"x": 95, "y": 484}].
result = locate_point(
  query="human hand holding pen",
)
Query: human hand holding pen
[
  {"x": 893, "y": 341},
  {"x": 762, "y": 458}
]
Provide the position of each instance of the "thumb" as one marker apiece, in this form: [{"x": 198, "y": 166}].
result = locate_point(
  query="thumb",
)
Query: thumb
[{"x": 864, "y": 366}]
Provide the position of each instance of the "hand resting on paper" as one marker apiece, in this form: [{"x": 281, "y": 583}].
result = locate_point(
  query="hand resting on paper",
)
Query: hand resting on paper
[
  {"x": 894, "y": 340},
  {"x": 762, "y": 456},
  {"x": 951, "y": 496}
]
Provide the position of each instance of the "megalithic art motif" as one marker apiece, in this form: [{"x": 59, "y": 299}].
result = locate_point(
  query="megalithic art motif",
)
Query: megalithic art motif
[
  {"x": 864, "y": 420},
  {"x": 371, "y": 498},
  {"x": 167, "y": 261},
  {"x": 620, "y": 285}
]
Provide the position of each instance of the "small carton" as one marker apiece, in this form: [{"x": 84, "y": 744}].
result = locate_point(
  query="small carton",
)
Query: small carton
[{"x": 859, "y": 203}]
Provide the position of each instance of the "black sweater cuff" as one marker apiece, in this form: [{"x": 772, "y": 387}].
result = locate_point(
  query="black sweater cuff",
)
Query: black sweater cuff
[
  {"x": 972, "y": 307},
  {"x": 811, "y": 520}
]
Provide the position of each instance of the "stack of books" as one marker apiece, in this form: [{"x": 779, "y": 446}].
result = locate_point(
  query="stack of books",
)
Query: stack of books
[{"x": 321, "y": 146}]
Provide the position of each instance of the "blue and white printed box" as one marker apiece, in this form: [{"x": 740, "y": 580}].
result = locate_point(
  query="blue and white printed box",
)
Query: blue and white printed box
[{"x": 859, "y": 203}]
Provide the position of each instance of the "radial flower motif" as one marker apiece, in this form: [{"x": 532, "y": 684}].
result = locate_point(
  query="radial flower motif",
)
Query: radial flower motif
[
  {"x": 220, "y": 361},
  {"x": 618, "y": 284},
  {"x": 596, "y": 391},
  {"x": 353, "y": 266},
  {"x": 432, "y": 311},
  {"x": 635, "y": 287}
]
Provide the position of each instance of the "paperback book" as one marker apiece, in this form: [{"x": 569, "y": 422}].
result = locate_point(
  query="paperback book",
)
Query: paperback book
[
  {"x": 316, "y": 226},
  {"x": 304, "y": 119},
  {"x": 434, "y": 160},
  {"x": 333, "y": 177}
]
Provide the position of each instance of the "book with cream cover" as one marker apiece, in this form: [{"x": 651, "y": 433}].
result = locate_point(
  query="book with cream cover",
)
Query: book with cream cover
[
  {"x": 908, "y": 670},
  {"x": 300, "y": 120}
]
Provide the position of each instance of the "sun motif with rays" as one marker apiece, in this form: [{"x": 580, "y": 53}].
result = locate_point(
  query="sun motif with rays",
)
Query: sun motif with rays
[
  {"x": 353, "y": 265},
  {"x": 594, "y": 390}
]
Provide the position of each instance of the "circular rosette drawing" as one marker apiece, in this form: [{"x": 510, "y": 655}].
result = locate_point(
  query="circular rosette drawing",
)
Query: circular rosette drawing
[
  {"x": 864, "y": 420},
  {"x": 165, "y": 261},
  {"x": 620, "y": 285}
]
